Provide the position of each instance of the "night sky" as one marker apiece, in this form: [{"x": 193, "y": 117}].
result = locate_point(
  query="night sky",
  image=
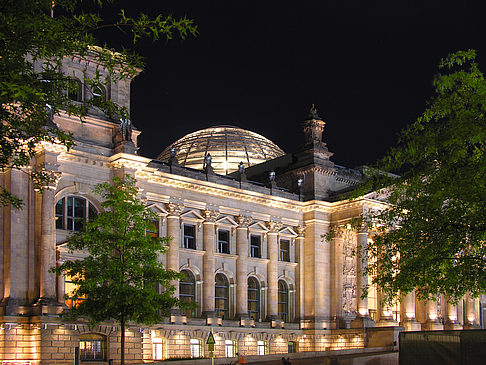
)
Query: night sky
[{"x": 259, "y": 65}]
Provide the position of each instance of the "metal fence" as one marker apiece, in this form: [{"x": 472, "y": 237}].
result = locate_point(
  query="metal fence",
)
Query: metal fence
[{"x": 465, "y": 347}]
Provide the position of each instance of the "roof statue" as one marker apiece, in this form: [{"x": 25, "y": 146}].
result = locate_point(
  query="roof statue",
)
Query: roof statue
[{"x": 313, "y": 113}]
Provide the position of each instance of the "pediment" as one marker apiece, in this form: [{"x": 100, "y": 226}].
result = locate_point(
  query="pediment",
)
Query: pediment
[
  {"x": 192, "y": 215},
  {"x": 258, "y": 226},
  {"x": 158, "y": 209},
  {"x": 226, "y": 221},
  {"x": 287, "y": 231}
]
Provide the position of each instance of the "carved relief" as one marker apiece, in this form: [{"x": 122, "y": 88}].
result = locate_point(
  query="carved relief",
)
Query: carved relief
[
  {"x": 349, "y": 269},
  {"x": 210, "y": 215},
  {"x": 174, "y": 209}
]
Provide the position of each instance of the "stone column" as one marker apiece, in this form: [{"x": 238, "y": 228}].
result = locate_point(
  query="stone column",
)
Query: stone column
[
  {"x": 272, "y": 269},
  {"x": 299, "y": 273},
  {"x": 174, "y": 232},
  {"x": 407, "y": 312},
  {"x": 16, "y": 245},
  {"x": 432, "y": 322},
  {"x": 451, "y": 316},
  {"x": 337, "y": 300},
  {"x": 362, "y": 315},
  {"x": 209, "y": 242},
  {"x": 242, "y": 267},
  {"x": 470, "y": 312}
]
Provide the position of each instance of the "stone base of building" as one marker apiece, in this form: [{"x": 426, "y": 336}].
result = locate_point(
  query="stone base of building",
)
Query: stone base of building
[
  {"x": 432, "y": 325},
  {"x": 411, "y": 325},
  {"x": 362, "y": 322}
]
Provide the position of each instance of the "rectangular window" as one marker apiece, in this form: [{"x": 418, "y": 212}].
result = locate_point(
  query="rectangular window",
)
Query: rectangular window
[
  {"x": 262, "y": 347},
  {"x": 223, "y": 241},
  {"x": 153, "y": 228},
  {"x": 230, "y": 348},
  {"x": 195, "y": 348},
  {"x": 284, "y": 250},
  {"x": 157, "y": 349},
  {"x": 189, "y": 236},
  {"x": 255, "y": 246},
  {"x": 292, "y": 348}
]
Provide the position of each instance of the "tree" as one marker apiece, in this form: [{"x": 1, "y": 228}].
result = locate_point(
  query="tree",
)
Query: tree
[
  {"x": 47, "y": 31},
  {"x": 432, "y": 237},
  {"x": 120, "y": 276}
]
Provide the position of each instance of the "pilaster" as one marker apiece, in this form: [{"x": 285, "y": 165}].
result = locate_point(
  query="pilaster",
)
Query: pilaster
[
  {"x": 299, "y": 273},
  {"x": 272, "y": 269},
  {"x": 242, "y": 268},
  {"x": 408, "y": 319},
  {"x": 209, "y": 242},
  {"x": 174, "y": 233}
]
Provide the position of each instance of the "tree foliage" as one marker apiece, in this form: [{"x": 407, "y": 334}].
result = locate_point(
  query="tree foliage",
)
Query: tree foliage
[
  {"x": 47, "y": 31},
  {"x": 432, "y": 237},
  {"x": 120, "y": 275}
]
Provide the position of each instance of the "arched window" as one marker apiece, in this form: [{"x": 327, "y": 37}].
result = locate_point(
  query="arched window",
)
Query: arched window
[
  {"x": 99, "y": 95},
  {"x": 253, "y": 298},
  {"x": 221, "y": 296},
  {"x": 75, "y": 90},
  {"x": 283, "y": 300},
  {"x": 187, "y": 290},
  {"x": 92, "y": 347},
  {"x": 72, "y": 212}
]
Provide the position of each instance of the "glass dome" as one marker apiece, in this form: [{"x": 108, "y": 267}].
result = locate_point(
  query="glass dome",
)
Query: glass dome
[{"x": 227, "y": 145}]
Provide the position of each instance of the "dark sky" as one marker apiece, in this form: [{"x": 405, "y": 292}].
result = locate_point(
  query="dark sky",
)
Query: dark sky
[{"x": 259, "y": 65}]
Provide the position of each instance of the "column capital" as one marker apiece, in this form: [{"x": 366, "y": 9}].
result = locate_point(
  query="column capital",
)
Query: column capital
[
  {"x": 45, "y": 179},
  {"x": 243, "y": 221},
  {"x": 300, "y": 230},
  {"x": 174, "y": 209},
  {"x": 210, "y": 215},
  {"x": 273, "y": 226}
]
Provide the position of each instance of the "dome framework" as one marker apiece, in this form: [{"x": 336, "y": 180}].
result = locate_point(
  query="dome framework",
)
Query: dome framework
[{"x": 227, "y": 145}]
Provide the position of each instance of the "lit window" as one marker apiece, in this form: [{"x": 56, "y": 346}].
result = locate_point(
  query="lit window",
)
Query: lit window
[
  {"x": 255, "y": 246},
  {"x": 92, "y": 347},
  {"x": 292, "y": 347},
  {"x": 262, "y": 347},
  {"x": 195, "y": 348},
  {"x": 158, "y": 348},
  {"x": 253, "y": 298},
  {"x": 283, "y": 300},
  {"x": 189, "y": 236},
  {"x": 152, "y": 228},
  {"x": 187, "y": 290},
  {"x": 69, "y": 288},
  {"x": 230, "y": 348},
  {"x": 223, "y": 241},
  {"x": 284, "y": 250},
  {"x": 221, "y": 296},
  {"x": 72, "y": 213}
]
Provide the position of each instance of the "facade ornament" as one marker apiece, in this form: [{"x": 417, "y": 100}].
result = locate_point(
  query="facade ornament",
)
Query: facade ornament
[
  {"x": 273, "y": 226},
  {"x": 313, "y": 113},
  {"x": 174, "y": 209},
  {"x": 126, "y": 129},
  {"x": 210, "y": 215},
  {"x": 349, "y": 269},
  {"x": 300, "y": 230},
  {"x": 243, "y": 221},
  {"x": 172, "y": 157},
  {"x": 241, "y": 172}
]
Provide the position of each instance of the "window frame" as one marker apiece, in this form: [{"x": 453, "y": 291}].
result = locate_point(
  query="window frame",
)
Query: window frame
[
  {"x": 222, "y": 243},
  {"x": 189, "y": 313},
  {"x": 284, "y": 254},
  {"x": 257, "y": 300},
  {"x": 189, "y": 241},
  {"x": 101, "y": 341},
  {"x": 256, "y": 248},
  {"x": 226, "y": 300},
  {"x": 66, "y": 216},
  {"x": 283, "y": 303}
]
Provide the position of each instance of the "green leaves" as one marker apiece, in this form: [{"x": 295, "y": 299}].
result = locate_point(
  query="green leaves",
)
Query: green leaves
[
  {"x": 30, "y": 39},
  {"x": 120, "y": 275},
  {"x": 435, "y": 226}
]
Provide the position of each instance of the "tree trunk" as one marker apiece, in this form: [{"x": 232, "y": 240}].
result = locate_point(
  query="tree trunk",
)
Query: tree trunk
[{"x": 122, "y": 340}]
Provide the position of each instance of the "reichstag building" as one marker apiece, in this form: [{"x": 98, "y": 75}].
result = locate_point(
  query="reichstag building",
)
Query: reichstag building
[{"x": 247, "y": 222}]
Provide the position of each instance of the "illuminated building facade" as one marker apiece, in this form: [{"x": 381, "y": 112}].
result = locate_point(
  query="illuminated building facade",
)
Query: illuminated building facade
[{"x": 250, "y": 245}]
